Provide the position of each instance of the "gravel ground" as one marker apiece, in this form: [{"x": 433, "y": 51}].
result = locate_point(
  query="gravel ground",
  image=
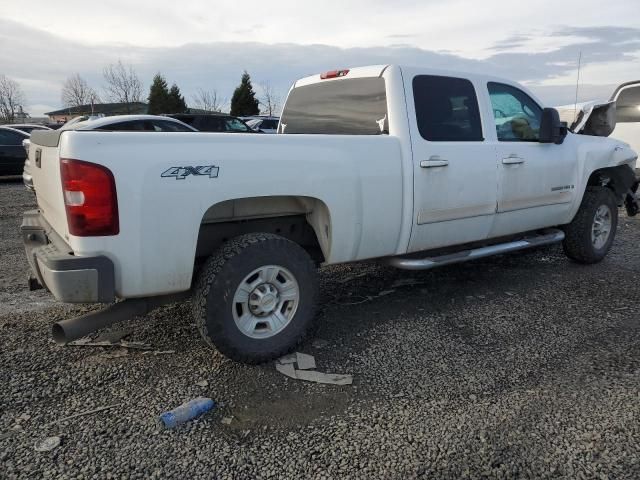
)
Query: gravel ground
[{"x": 520, "y": 366}]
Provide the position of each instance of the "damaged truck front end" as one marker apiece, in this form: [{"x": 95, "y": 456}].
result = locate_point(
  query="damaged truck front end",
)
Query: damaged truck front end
[{"x": 599, "y": 119}]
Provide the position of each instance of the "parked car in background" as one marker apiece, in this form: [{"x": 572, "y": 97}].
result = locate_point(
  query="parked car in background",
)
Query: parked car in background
[
  {"x": 264, "y": 124},
  {"x": 27, "y": 127},
  {"x": 214, "y": 122},
  {"x": 116, "y": 123},
  {"x": 82, "y": 118},
  {"x": 132, "y": 123},
  {"x": 12, "y": 153}
]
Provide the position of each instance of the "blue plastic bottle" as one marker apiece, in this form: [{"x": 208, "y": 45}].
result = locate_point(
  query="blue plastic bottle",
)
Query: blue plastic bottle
[{"x": 186, "y": 411}]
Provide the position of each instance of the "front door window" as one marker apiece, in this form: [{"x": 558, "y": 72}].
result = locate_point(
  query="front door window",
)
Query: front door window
[{"x": 516, "y": 116}]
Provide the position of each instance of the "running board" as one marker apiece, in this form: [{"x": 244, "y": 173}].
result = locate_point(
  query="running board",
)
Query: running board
[{"x": 550, "y": 236}]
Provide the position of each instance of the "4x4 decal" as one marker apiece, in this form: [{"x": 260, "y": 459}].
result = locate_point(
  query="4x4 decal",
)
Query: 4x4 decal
[{"x": 180, "y": 173}]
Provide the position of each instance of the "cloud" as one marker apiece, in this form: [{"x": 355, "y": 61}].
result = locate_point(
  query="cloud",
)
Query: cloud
[
  {"x": 45, "y": 61},
  {"x": 597, "y": 44}
]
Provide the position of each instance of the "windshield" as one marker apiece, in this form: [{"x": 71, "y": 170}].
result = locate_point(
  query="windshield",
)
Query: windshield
[{"x": 339, "y": 107}]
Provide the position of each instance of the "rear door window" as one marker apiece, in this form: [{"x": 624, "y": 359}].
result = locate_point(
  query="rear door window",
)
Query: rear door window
[
  {"x": 446, "y": 109},
  {"x": 355, "y": 106},
  {"x": 628, "y": 105}
]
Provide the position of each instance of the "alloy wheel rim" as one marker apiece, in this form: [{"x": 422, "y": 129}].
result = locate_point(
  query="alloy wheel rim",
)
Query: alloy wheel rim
[
  {"x": 601, "y": 229},
  {"x": 265, "y": 301}
]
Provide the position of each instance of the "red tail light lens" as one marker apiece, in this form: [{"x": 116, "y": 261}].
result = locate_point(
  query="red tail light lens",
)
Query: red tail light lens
[
  {"x": 90, "y": 199},
  {"x": 334, "y": 74}
]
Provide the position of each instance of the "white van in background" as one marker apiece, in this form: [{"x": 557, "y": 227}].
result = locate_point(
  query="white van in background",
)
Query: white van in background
[
  {"x": 618, "y": 118},
  {"x": 627, "y": 98}
]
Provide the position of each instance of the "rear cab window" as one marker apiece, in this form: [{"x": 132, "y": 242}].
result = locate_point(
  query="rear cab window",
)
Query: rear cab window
[
  {"x": 354, "y": 106},
  {"x": 446, "y": 109}
]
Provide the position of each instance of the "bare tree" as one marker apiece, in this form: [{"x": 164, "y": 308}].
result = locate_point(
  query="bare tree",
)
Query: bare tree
[
  {"x": 270, "y": 100},
  {"x": 11, "y": 99},
  {"x": 123, "y": 85},
  {"x": 76, "y": 91},
  {"x": 208, "y": 100}
]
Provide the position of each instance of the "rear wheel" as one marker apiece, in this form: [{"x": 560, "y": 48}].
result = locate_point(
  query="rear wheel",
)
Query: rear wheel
[
  {"x": 590, "y": 235},
  {"x": 256, "y": 297}
]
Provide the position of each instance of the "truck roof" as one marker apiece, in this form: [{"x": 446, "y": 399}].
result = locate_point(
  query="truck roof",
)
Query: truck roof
[{"x": 378, "y": 70}]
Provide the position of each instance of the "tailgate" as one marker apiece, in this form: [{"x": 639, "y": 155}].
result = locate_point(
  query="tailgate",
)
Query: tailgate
[{"x": 44, "y": 168}]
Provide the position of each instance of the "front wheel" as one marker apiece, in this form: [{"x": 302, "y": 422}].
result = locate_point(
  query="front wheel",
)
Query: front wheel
[
  {"x": 256, "y": 297},
  {"x": 588, "y": 238}
]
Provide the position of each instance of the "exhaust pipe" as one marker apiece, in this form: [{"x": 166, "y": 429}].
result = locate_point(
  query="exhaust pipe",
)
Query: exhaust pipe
[{"x": 66, "y": 331}]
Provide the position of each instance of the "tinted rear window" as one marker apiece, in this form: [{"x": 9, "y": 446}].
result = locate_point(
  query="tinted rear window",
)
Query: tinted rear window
[{"x": 339, "y": 107}]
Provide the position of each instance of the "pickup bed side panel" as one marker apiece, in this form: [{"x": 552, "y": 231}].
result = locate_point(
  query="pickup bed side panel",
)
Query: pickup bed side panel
[{"x": 358, "y": 178}]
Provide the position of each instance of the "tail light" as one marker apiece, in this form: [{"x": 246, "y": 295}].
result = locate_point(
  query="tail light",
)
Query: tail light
[
  {"x": 334, "y": 74},
  {"x": 90, "y": 199}
]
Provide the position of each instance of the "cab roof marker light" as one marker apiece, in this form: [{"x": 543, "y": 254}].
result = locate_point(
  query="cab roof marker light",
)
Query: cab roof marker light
[{"x": 334, "y": 74}]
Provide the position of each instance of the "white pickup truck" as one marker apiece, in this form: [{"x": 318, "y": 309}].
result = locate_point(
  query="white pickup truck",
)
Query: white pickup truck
[{"x": 414, "y": 167}]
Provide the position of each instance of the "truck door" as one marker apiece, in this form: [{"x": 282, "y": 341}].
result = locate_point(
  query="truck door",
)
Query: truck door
[
  {"x": 455, "y": 178},
  {"x": 536, "y": 181}
]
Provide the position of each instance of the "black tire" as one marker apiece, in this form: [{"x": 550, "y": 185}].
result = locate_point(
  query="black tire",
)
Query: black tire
[
  {"x": 578, "y": 244},
  {"x": 219, "y": 280}
]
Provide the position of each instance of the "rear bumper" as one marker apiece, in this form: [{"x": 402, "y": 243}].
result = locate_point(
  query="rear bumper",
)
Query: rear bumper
[{"x": 69, "y": 278}]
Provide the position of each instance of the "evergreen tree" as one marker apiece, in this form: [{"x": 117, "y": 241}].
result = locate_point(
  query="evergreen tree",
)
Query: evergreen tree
[
  {"x": 244, "y": 101},
  {"x": 159, "y": 100},
  {"x": 176, "y": 103}
]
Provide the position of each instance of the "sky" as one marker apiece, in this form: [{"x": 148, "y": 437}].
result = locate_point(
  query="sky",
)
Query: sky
[{"x": 209, "y": 43}]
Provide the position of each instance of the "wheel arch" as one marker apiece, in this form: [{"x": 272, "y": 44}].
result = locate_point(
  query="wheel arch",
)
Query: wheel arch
[
  {"x": 618, "y": 179},
  {"x": 304, "y": 220}
]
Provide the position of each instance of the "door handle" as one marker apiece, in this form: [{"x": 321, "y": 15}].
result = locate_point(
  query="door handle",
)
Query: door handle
[
  {"x": 434, "y": 161},
  {"x": 512, "y": 159}
]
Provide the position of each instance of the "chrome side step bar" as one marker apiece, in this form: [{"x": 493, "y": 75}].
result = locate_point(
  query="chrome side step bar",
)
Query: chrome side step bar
[{"x": 407, "y": 263}]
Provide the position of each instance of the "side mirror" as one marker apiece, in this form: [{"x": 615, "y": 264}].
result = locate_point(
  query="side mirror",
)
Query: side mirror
[{"x": 552, "y": 130}]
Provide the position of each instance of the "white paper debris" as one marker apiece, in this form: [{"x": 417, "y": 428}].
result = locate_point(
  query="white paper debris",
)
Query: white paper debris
[
  {"x": 291, "y": 358},
  {"x": 227, "y": 420},
  {"x": 287, "y": 369},
  {"x": 202, "y": 383},
  {"x": 305, "y": 362},
  {"x": 48, "y": 444},
  {"x": 319, "y": 377}
]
